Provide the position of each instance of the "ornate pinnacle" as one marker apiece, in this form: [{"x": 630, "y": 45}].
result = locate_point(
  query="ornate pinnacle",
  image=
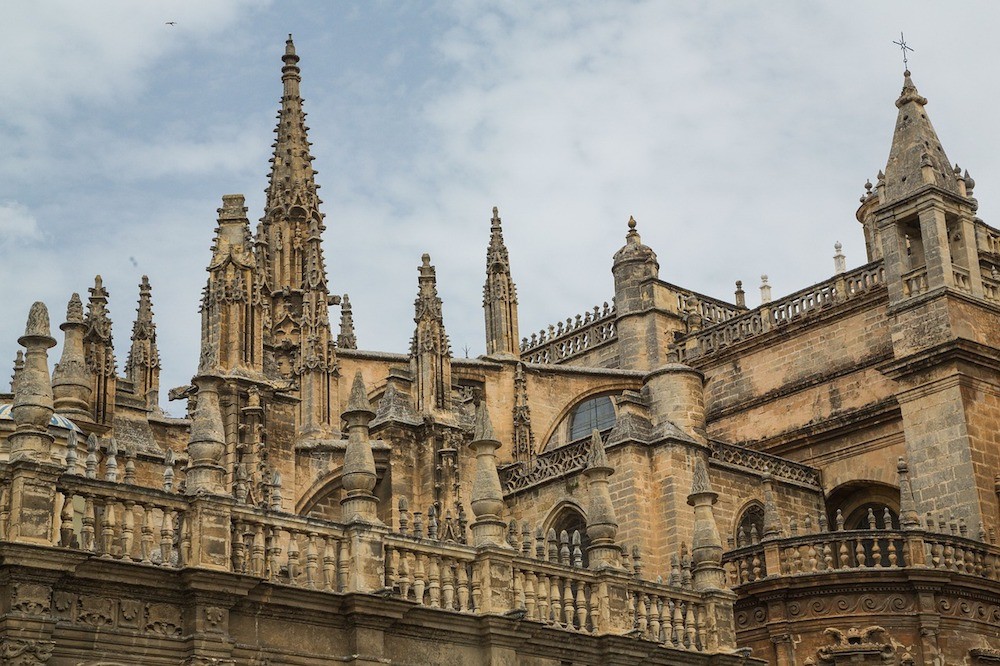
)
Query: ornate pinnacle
[
  {"x": 699, "y": 481},
  {"x": 772, "y": 521},
  {"x": 359, "y": 474},
  {"x": 358, "y": 402},
  {"x": 483, "y": 430},
  {"x": 597, "y": 458},
  {"x": 74, "y": 310},
  {"x": 346, "y": 338},
  {"x": 33, "y": 406}
]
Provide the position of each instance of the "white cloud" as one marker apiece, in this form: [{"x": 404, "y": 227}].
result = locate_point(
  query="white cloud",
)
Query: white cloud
[{"x": 17, "y": 223}]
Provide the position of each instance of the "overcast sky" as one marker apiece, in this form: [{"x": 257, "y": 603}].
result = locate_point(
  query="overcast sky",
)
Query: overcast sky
[{"x": 739, "y": 135}]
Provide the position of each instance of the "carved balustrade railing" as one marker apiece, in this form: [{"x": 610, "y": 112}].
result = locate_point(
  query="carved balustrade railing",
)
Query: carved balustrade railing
[
  {"x": 711, "y": 310},
  {"x": 779, "y": 468},
  {"x": 991, "y": 288},
  {"x": 548, "y": 465},
  {"x": 123, "y": 522},
  {"x": 869, "y": 550},
  {"x": 290, "y": 549},
  {"x": 768, "y": 316},
  {"x": 915, "y": 282},
  {"x": 563, "y": 341}
]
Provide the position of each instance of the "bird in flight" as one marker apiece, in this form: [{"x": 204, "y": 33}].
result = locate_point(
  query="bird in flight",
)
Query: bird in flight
[{"x": 171, "y": 22}]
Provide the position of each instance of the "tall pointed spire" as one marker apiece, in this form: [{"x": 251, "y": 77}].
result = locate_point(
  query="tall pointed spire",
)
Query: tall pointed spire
[
  {"x": 430, "y": 350},
  {"x": 916, "y": 157},
  {"x": 292, "y": 223},
  {"x": 143, "y": 364},
  {"x": 499, "y": 296}
]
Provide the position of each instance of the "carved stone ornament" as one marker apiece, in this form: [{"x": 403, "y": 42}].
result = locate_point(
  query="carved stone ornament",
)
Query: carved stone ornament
[
  {"x": 130, "y": 614},
  {"x": 870, "y": 645},
  {"x": 207, "y": 661},
  {"x": 31, "y": 598},
  {"x": 163, "y": 619},
  {"x": 21, "y": 652},
  {"x": 96, "y": 611},
  {"x": 215, "y": 618},
  {"x": 985, "y": 656}
]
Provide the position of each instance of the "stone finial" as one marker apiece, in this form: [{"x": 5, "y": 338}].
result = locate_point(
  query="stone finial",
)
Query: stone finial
[
  {"x": 359, "y": 476},
  {"x": 602, "y": 524},
  {"x": 741, "y": 296},
  {"x": 772, "y": 521},
  {"x": 839, "y": 260},
  {"x": 71, "y": 380},
  {"x": 207, "y": 441},
  {"x": 909, "y": 519},
  {"x": 706, "y": 544},
  {"x": 33, "y": 404},
  {"x": 765, "y": 290},
  {"x": 346, "y": 339},
  {"x": 487, "y": 496}
]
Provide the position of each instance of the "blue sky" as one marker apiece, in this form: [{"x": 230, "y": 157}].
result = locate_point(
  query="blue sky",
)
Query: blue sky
[{"x": 738, "y": 134}]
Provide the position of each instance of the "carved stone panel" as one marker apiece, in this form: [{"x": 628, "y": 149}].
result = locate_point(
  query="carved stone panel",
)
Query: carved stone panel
[
  {"x": 30, "y": 598},
  {"x": 96, "y": 611},
  {"x": 163, "y": 619}
]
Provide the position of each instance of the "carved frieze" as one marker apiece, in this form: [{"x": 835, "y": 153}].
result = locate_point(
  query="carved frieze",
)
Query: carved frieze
[
  {"x": 849, "y": 605},
  {"x": 63, "y": 605},
  {"x": 31, "y": 598},
  {"x": 24, "y": 652}
]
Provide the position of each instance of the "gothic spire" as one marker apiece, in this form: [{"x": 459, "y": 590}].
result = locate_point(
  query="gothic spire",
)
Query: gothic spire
[
  {"x": 292, "y": 223},
  {"x": 499, "y": 296},
  {"x": 916, "y": 157},
  {"x": 143, "y": 364}
]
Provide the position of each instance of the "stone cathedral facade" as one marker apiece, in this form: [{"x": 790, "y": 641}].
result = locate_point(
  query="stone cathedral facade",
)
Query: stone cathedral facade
[{"x": 669, "y": 478}]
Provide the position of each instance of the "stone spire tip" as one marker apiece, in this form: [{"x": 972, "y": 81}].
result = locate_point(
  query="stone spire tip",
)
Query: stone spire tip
[
  {"x": 74, "y": 310},
  {"x": 358, "y": 402},
  {"x": 700, "y": 482},
  {"x": 38, "y": 324},
  {"x": 483, "y": 431}
]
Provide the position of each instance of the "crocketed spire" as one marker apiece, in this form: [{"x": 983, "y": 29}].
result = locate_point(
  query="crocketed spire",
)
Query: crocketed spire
[
  {"x": 499, "y": 296},
  {"x": 100, "y": 353},
  {"x": 346, "y": 339},
  {"x": 916, "y": 157}
]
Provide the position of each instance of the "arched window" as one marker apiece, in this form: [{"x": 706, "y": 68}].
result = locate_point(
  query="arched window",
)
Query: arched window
[
  {"x": 594, "y": 413},
  {"x": 854, "y": 499},
  {"x": 750, "y": 526}
]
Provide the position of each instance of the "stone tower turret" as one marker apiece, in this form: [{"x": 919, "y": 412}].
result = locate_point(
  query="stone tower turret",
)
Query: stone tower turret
[
  {"x": 500, "y": 297},
  {"x": 635, "y": 270}
]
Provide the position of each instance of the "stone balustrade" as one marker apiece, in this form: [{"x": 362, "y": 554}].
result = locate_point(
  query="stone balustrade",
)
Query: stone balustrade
[
  {"x": 768, "y": 316},
  {"x": 760, "y": 462},
  {"x": 122, "y": 522},
  {"x": 562, "y": 341},
  {"x": 871, "y": 549}
]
